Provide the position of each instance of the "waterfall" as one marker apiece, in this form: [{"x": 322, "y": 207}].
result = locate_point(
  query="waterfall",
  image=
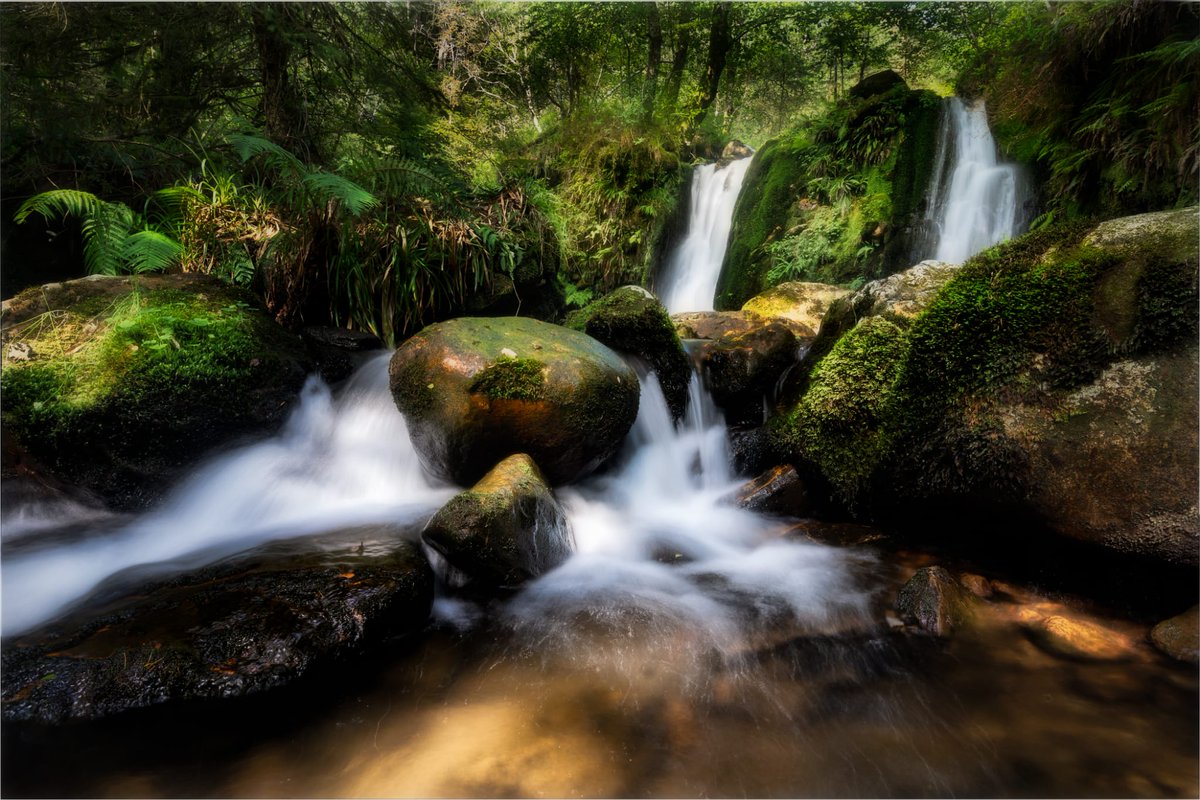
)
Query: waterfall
[
  {"x": 974, "y": 201},
  {"x": 689, "y": 280},
  {"x": 336, "y": 464}
]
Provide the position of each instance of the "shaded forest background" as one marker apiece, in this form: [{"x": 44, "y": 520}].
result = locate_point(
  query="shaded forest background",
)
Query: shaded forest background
[{"x": 380, "y": 166}]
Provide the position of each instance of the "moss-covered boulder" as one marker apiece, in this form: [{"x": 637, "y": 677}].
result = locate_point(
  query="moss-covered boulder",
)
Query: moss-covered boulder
[
  {"x": 837, "y": 199},
  {"x": 632, "y": 320},
  {"x": 475, "y": 391},
  {"x": 1053, "y": 376},
  {"x": 936, "y": 601},
  {"x": 801, "y": 303},
  {"x": 240, "y": 627},
  {"x": 117, "y": 384},
  {"x": 505, "y": 529}
]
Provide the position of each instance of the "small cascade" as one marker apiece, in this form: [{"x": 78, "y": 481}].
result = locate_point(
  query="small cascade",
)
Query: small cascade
[
  {"x": 659, "y": 544},
  {"x": 974, "y": 201},
  {"x": 689, "y": 280},
  {"x": 336, "y": 464}
]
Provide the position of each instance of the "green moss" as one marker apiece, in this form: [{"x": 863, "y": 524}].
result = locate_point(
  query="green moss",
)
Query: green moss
[
  {"x": 147, "y": 345},
  {"x": 1026, "y": 322},
  {"x": 841, "y": 422},
  {"x": 511, "y": 379}
]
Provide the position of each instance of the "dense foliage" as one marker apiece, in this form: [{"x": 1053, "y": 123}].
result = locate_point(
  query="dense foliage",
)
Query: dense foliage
[{"x": 384, "y": 165}]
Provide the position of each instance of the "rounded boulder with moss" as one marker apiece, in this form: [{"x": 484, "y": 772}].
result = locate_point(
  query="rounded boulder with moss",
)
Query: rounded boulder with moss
[
  {"x": 118, "y": 384},
  {"x": 1053, "y": 377},
  {"x": 633, "y": 321},
  {"x": 475, "y": 391}
]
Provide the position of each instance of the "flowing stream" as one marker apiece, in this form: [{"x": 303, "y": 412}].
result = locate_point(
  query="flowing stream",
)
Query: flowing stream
[
  {"x": 974, "y": 201},
  {"x": 689, "y": 279}
]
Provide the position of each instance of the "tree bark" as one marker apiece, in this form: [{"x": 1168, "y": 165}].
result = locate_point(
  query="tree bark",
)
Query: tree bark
[
  {"x": 285, "y": 120},
  {"x": 720, "y": 41},
  {"x": 679, "y": 61},
  {"x": 654, "y": 43}
]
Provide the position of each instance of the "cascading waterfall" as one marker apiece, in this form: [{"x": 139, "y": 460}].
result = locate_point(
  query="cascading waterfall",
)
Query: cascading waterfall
[
  {"x": 336, "y": 464},
  {"x": 689, "y": 280},
  {"x": 974, "y": 201}
]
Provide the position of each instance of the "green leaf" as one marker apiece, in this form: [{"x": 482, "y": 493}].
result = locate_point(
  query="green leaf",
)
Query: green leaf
[
  {"x": 151, "y": 251},
  {"x": 59, "y": 202}
]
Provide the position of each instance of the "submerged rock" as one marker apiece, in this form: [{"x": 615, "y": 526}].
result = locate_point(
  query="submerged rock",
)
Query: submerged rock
[
  {"x": 1179, "y": 636},
  {"x": 243, "y": 626},
  {"x": 1079, "y": 640},
  {"x": 337, "y": 351},
  {"x": 505, "y": 529},
  {"x": 477, "y": 390},
  {"x": 933, "y": 599},
  {"x": 131, "y": 380},
  {"x": 632, "y": 320}
]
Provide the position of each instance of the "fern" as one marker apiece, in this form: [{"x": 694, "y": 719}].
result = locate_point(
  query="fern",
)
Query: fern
[
  {"x": 58, "y": 202},
  {"x": 104, "y": 233},
  {"x": 151, "y": 251},
  {"x": 328, "y": 186}
]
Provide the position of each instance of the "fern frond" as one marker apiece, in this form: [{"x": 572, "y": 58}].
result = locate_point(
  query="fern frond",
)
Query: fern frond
[
  {"x": 406, "y": 176},
  {"x": 58, "y": 202},
  {"x": 327, "y": 186},
  {"x": 248, "y": 147},
  {"x": 151, "y": 251},
  {"x": 104, "y": 233}
]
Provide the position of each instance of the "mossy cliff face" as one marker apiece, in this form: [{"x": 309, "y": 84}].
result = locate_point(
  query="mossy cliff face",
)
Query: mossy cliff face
[
  {"x": 505, "y": 529},
  {"x": 477, "y": 390},
  {"x": 632, "y": 320},
  {"x": 835, "y": 200},
  {"x": 118, "y": 384},
  {"x": 1055, "y": 374}
]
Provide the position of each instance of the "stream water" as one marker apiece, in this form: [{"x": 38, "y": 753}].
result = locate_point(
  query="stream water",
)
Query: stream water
[{"x": 686, "y": 648}]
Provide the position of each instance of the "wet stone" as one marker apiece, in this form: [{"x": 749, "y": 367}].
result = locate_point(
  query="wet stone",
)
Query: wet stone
[
  {"x": 1179, "y": 636},
  {"x": 1079, "y": 640},
  {"x": 249, "y": 624},
  {"x": 779, "y": 490},
  {"x": 936, "y": 601}
]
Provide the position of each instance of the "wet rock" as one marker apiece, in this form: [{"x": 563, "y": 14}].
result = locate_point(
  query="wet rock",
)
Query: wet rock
[
  {"x": 777, "y": 491},
  {"x": 750, "y": 450},
  {"x": 742, "y": 369},
  {"x": 337, "y": 351},
  {"x": 933, "y": 599},
  {"x": 733, "y": 151},
  {"x": 141, "y": 377},
  {"x": 977, "y": 585},
  {"x": 838, "y": 534},
  {"x": 1079, "y": 640},
  {"x": 712, "y": 324},
  {"x": 802, "y": 304},
  {"x": 240, "y": 627},
  {"x": 565, "y": 399},
  {"x": 1179, "y": 637},
  {"x": 505, "y": 529},
  {"x": 632, "y": 320}
]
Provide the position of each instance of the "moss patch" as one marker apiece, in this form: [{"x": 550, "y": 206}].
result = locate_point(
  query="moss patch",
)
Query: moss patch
[
  {"x": 511, "y": 379},
  {"x": 1020, "y": 324}
]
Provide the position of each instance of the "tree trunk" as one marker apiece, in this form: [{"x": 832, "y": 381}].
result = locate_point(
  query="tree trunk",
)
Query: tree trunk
[
  {"x": 720, "y": 40},
  {"x": 679, "y": 61},
  {"x": 285, "y": 120},
  {"x": 654, "y": 43}
]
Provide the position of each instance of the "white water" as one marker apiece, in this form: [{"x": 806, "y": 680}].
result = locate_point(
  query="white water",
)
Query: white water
[
  {"x": 659, "y": 546},
  {"x": 336, "y": 464},
  {"x": 981, "y": 202},
  {"x": 689, "y": 280}
]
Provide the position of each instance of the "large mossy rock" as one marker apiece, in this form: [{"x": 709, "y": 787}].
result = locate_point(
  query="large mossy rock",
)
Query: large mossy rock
[
  {"x": 1053, "y": 376},
  {"x": 119, "y": 384},
  {"x": 632, "y": 320},
  {"x": 789, "y": 223},
  {"x": 505, "y": 529},
  {"x": 804, "y": 304},
  {"x": 475, "y": 391},
  {"x": 240, "y": 627}
]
